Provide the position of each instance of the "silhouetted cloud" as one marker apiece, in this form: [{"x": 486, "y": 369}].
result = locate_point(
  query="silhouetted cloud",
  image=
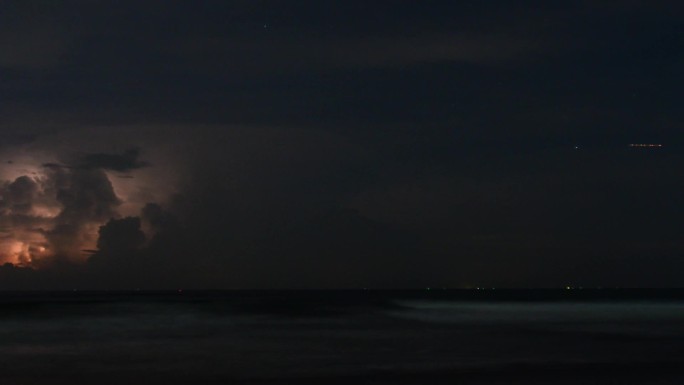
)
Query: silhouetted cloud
[{"x": 119, "y": 238}]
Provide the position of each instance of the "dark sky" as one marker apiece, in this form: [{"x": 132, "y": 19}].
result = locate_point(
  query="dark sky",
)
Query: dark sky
[{"x": 340, "y": 144}]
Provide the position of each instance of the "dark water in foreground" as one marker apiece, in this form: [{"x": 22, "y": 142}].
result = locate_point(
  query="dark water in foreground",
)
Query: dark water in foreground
[{"x": 351, "y": 337}]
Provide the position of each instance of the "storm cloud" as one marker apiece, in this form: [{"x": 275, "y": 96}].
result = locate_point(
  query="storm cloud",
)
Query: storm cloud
[
  {"x": 340, "y": 144},
  {"x": 55, "y": 212},
  {"x": 87, "y": 199}
]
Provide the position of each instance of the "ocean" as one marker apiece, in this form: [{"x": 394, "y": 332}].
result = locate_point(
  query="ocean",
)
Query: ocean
[{"x": 343, "y": 337}]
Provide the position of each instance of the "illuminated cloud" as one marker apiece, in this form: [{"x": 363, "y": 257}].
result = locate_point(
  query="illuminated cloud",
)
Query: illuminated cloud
[
  {"x": 55, "y": 211},
  {"x": 25, "y": 209}
]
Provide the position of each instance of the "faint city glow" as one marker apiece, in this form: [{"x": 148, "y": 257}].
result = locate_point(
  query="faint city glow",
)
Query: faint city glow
[{"x": 645, "y": 145}]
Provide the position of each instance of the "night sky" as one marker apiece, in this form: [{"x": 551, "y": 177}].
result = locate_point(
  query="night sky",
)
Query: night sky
[{"x": 341, "y": 144}]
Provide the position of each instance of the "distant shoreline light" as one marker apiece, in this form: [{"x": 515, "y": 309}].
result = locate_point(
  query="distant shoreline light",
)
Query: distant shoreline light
[{"x": 645, "y": 145}]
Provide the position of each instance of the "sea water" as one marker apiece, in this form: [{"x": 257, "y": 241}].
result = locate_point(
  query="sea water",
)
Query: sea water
[{"x": 338, "y": 337}]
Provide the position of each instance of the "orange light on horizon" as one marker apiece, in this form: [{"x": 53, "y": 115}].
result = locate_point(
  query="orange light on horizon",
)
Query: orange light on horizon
[
  {"x": 22, "y": 253},
  {"x": 18, "y": 253}
]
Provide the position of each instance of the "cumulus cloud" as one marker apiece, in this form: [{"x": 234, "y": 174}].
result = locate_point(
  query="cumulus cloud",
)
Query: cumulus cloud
[
  {"x": 87, "y": 199},
  {"x": 54, "y": 213},
  {"x": 119, "y": 237}
]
